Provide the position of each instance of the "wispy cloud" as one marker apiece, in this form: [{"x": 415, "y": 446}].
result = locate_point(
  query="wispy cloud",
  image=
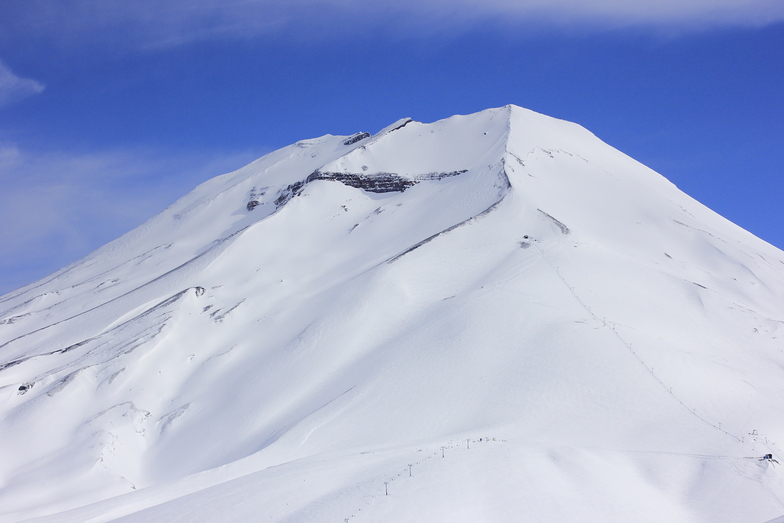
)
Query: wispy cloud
[
  {"x": 151, "y": 23},
  {"x": 14, "y": 88},
  {"x": 648, "y": 12},
  {"x": 58, "y": 207}
]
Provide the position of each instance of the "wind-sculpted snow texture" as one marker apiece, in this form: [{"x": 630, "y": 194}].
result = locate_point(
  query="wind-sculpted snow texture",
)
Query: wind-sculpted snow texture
[{"x": 494, "y": 317}]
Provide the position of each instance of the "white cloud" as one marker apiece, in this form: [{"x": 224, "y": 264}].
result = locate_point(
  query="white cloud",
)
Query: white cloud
[
  {"x": 151, "y": 23},
  {"x": 14, "y": 88},
  {"x": 58, "y": 207},
  {"x": 732, "y": 12}
]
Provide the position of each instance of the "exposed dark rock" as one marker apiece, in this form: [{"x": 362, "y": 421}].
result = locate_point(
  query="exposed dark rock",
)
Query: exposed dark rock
[
  {"x": 356, "y": 138},
  {"x": 377, "y": 183},
  {"x": 289, "y": 192},
  {"x": 381, "y": 182},
  {"x": 253, "y": 197},
  {"x": 401, "y": 124},
  {"x": 24, "y": 387}
]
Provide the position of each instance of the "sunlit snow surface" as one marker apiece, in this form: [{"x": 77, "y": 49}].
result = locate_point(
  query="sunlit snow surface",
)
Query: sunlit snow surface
[{"x": 490, "y": 318}]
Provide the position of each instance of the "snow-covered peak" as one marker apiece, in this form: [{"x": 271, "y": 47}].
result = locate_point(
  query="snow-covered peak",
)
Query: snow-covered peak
[{"x": 289, "y": 338}]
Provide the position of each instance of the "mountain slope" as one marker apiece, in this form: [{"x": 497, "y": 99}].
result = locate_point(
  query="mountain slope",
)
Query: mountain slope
[{"x": 286, "y": 339}]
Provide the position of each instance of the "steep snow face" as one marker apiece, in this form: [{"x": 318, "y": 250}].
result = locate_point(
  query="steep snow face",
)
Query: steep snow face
[{"x": 576, "y": 337}]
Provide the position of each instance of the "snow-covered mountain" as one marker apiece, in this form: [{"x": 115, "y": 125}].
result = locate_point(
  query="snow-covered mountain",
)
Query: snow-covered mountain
[{"x": 490, "y": 318}]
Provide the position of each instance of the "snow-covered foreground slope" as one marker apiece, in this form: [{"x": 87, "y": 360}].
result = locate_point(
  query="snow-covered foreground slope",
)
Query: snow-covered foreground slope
[{"x": 494, "y": 317}]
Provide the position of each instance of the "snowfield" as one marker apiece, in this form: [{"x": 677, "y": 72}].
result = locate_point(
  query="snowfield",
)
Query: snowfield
[{"x": 490, "y": 318}]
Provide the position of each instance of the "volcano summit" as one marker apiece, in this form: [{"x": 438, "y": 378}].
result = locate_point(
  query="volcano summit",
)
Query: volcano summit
[{"x": 490, "y": 318}]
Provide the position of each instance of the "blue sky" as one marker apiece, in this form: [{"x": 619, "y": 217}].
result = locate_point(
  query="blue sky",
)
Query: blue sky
[{"x": 110, "y": 111}]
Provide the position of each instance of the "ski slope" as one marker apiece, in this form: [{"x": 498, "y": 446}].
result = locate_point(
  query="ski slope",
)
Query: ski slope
[{"x": 490, "y": 318}]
